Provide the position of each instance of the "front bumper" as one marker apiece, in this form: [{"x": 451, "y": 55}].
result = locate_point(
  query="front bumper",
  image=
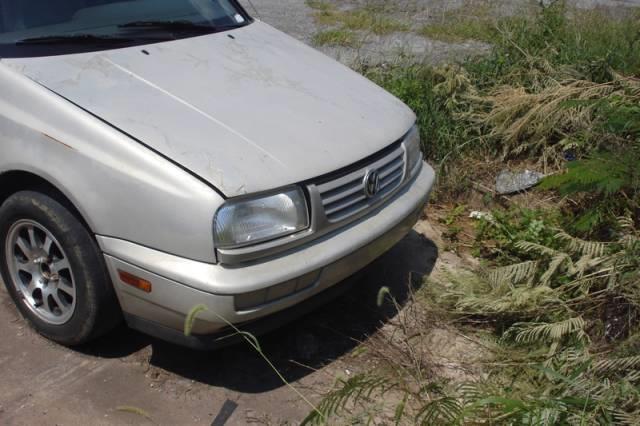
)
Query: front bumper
[{"x": 181, "y": 284}]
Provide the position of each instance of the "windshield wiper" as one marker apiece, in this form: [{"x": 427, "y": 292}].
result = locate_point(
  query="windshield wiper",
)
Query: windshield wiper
[
  {"x": 169, "y": 26},
  {"x": 74, "y": 39}
]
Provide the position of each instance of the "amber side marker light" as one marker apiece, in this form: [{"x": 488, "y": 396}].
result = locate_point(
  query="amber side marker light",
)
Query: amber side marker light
[{"x": 134, "y": 281}]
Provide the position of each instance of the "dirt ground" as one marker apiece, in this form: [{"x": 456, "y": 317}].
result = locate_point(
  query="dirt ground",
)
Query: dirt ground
[
  {"x": 43, "y": 383},
  {"x": 126, "y": 376}
]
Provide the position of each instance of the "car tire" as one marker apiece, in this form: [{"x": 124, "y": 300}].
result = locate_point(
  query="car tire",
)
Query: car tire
[{"x": 53, "y": 269}]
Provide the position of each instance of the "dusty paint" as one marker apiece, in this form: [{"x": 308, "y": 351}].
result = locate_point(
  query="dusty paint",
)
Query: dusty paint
[
  {"x": 155, "y": 142},
  {"x": 247, "y": 114},
  {"x": 114, "y": 182}
]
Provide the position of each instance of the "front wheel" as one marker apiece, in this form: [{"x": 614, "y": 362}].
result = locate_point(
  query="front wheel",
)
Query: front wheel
[{"x": 54, "y": 270}]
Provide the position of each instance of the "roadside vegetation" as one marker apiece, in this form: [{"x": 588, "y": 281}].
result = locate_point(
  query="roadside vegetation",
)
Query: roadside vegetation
[
  {"x": 476, "y": 22},
  {"x": 346, "y": 27},
  {"x": 336, "y": 37},
  {"x": 549, "y": 309}
]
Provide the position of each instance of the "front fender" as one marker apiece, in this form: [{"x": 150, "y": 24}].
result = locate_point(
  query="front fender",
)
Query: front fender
[{"x": 122, "y": 188}]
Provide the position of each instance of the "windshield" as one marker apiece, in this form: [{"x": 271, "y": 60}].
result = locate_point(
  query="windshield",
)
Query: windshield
[{"x": 51, "y": 27}]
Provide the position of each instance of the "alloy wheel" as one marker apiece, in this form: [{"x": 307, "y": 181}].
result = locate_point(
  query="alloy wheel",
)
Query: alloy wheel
[{"x": 40, "y": 271}]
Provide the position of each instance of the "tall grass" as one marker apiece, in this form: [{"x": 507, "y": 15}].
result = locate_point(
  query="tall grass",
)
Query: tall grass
[
  {"x": 476, "y": 21},
  {"x": 559, "y": 318},
  {"x": 575, "y": 43},
  {"x": 430, "y": 93},
  {"x": 563, "y": 84}
]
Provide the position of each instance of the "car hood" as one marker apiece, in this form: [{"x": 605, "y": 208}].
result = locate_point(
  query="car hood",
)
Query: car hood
[{"x": 246, "y": 110}]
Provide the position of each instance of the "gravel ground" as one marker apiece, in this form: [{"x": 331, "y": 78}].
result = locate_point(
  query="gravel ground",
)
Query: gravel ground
[{"x": 295, "y": 17}]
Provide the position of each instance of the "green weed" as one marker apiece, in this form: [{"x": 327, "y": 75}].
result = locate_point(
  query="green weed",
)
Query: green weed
[
  {"x": 474, "y": 21},
  {"x": 319, "y": 5},
  {"x": 557, "y": 41},
  {"x": 559, "y": 312},
  {"x": 365, "y": 19},
  {"x": 549, "y": 364},
  {"x": 336, "y": 37},
  {"x": 471, "y": 29},
  {"x": 433, "y": 96},
  {"x": 498, "y": 236}
]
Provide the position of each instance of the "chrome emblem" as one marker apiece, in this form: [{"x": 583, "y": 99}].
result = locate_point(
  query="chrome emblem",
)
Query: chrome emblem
[{"x": 371, "y": 183}]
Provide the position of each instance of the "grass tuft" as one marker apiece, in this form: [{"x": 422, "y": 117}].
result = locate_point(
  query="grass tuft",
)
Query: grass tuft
[
  {"x": 365, "y": 19},
  {"x": 459, "y": 31},
  {"x": 476, "y": 21},
  {"x": 336, "y": 37}
]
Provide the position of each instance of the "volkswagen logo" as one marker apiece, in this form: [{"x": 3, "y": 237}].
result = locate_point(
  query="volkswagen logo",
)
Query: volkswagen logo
[{"x": 371, "y": 183}]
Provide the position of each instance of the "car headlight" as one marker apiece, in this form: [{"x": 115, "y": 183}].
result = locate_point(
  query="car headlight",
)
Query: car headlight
[
  {"x": 249, "y": 221},
  {"x": 413, "y": 147}
]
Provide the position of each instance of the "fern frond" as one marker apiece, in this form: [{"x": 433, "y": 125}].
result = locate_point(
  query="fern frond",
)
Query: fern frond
[
  {"x": 554, "y": 266},
  {"x": 519, "y": 299},
  {"x": 568, "y": 356},
  {"x": 585, "y": 264},
  {"x": 529, "y": 247},
  {"x": 626, "y": 223},
  {"x": 624, "y": 418},
  {"x": 577, "y": 245},
  {"x": 630, "y": 236},
  {"x": 357, "y": 389},
  {"x": 512, "y": 274},
  {"x": 445, "y": 410},
  {"x": 472, "y": 391},
  {"x": 630, "y": 242},
  {"x": 539, "y": 332},
  {"x": 617, "y": 364}
]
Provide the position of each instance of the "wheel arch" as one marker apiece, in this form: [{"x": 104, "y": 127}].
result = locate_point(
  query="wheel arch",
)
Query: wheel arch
[{"x": 15, "y": 181}]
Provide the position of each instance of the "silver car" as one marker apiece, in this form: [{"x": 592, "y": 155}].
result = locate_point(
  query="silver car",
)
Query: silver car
[{"x": 160, "y": 155}]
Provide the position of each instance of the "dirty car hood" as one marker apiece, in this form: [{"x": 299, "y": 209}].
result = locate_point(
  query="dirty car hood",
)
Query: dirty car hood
[{"x": 246, "y": 110}]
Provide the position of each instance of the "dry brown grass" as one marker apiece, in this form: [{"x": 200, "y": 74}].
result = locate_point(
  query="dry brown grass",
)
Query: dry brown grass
[{"x": 539, "y": 123}]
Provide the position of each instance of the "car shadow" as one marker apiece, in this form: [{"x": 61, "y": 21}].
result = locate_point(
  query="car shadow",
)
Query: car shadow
[{"x": 307, "y": 344}]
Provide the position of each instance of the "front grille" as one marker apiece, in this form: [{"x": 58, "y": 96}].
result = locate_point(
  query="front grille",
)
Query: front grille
[
  {"x": 345, "y": 196},
  {"x": 335, "y": 200}
]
